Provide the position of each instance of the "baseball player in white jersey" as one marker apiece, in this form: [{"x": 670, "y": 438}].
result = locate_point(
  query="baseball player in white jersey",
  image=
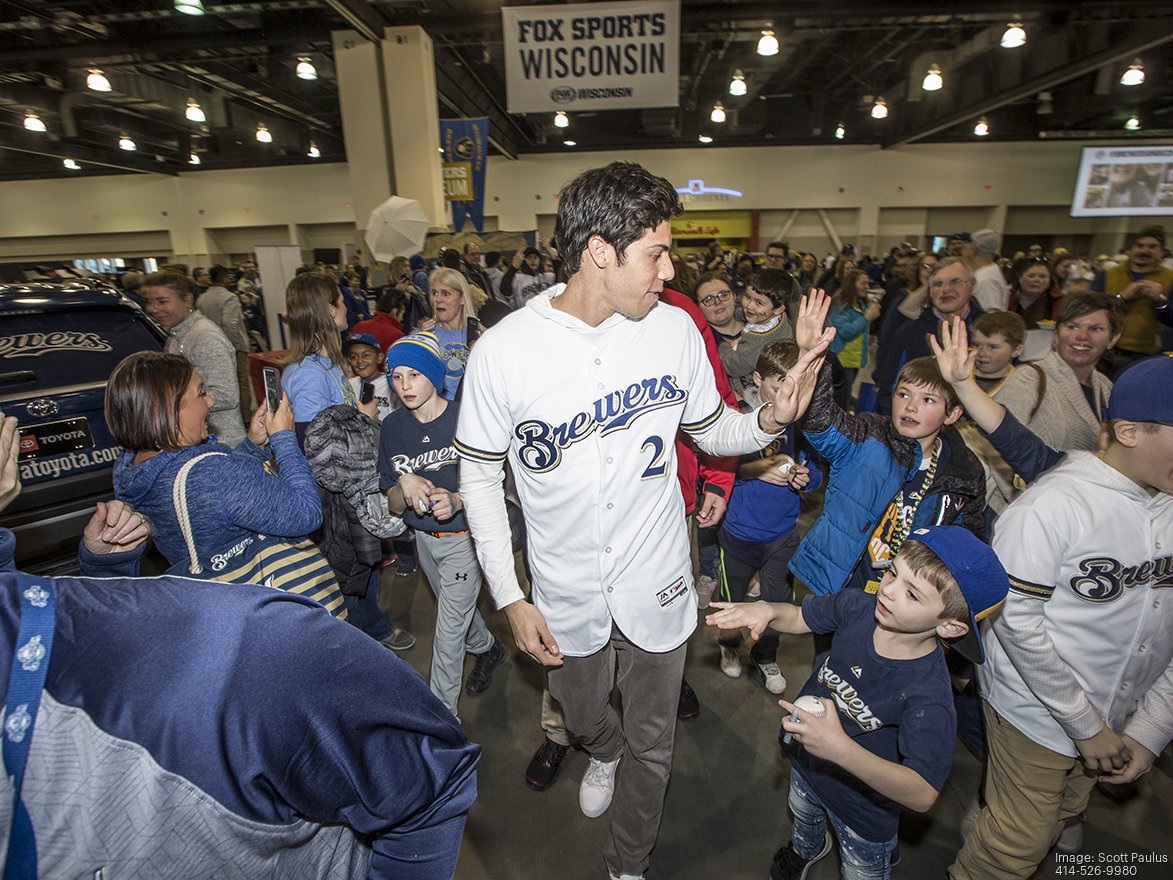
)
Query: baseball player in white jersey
[
  {"x": 1078, "y": 673},
  {"x": 582, "y": 392}
]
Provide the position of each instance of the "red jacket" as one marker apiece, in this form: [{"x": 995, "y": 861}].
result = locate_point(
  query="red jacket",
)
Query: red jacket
[
  {"x": 717, "y": 472},
  {"x": 383, "y": 327}
]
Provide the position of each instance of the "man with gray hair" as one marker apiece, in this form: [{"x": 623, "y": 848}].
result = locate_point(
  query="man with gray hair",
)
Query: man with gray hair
[{"x": 990, "y": 288}]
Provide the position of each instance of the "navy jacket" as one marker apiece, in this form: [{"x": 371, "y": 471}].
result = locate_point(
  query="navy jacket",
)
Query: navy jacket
[{"x": 908, "y": 341}]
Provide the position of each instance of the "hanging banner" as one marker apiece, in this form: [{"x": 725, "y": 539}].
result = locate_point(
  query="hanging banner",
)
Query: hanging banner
[
  {"x": 593, "y": 56},
  {"x": 465, "y": 143}
]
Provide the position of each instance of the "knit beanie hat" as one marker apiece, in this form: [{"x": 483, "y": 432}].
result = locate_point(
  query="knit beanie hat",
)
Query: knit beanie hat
[{"x": 419, "y": 352}]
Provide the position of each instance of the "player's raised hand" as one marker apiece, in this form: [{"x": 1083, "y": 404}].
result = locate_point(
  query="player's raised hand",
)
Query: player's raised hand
[
  {"x": 531, "y": 633},
  {"x": 954, "y": 359},
  {"x": 812, "y": 318},
  {"x": 796, "y": 390}
]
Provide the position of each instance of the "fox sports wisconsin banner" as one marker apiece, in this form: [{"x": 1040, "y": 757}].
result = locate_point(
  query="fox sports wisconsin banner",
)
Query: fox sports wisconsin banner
[{"x": 593, "y": 56}]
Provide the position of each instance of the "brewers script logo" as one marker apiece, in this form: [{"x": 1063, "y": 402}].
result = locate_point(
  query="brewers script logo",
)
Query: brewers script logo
[
  {"x": 1104, "y": 579},
  {"x": 542, "y": 444},
  {"x": 37, "y": 344}
]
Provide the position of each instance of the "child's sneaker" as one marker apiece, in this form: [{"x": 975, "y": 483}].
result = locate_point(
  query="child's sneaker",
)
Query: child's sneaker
[
  {"x": 772, "y": 678},
  {"x": 789, "y": 865},
  {"x": 730, "y": 662}
]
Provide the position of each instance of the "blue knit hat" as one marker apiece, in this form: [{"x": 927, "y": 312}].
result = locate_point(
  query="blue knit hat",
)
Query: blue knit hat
[{"x": 419, "y": 352}]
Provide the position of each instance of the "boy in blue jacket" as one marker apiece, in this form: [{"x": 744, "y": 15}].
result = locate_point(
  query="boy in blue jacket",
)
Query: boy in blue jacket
[
  {"x": 758, "y": 533},
  {"x": 889, "y": 476}
]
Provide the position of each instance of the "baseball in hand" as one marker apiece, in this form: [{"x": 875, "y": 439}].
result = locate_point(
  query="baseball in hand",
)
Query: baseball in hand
[{"x": 807, "y": 703}]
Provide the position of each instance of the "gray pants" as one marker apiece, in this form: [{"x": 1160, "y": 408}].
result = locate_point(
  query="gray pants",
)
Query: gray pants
[
  {"x": 450, "y": 566},
  {"x": 650, "y": 687}
]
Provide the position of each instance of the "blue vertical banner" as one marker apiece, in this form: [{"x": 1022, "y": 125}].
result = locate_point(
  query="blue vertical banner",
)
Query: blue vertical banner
[{"x": 465, "y": 143}]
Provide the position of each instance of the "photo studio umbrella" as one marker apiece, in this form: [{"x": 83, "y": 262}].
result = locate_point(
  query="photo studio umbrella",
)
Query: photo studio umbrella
[{"x": 397, "y": 228}]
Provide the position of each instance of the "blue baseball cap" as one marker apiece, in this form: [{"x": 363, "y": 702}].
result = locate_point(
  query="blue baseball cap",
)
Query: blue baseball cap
[
  {"x": 977, "y": 570},
  {"x": 361, "y": 339},
  {"x": 1144, "y": 392}
]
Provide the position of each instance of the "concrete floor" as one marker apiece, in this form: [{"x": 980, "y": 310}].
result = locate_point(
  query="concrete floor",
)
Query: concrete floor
[{"x": 726, "y": 807}]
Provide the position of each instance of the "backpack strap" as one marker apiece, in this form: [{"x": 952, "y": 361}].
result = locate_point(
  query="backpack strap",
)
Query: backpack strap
[
  {"x": 1042, "y": 377},
  {"x": 179, "y": 501}
]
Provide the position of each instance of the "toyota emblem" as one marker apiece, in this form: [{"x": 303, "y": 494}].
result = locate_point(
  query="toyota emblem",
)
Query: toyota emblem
[{"x": 42, "y": 407}]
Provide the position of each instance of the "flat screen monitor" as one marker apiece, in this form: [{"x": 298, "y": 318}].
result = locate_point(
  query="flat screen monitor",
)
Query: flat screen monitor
[{"x": 1124, "y": 182}]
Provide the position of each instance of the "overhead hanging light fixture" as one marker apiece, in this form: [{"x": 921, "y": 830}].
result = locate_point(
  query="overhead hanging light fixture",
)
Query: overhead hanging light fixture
[
  {"x": 126, "y": 143},
  {"x": 932, "y": 81},
  {"x": 194, "y": 112},
  {"x": 313, "y": 152},
  {"x": 33, "y": 122},
  {"x": 982, "y": 128},
  {"x": 840, "y": 132},
  {"x": 305, "y": 68},
  {"x": 880, "y": 109},
  {"x": 570, "y": 143},
  {"x": 193, "y": 158},
  {"x": 263, "y": 134},
  {"x": 767, "y": 43},
  {"x": 190, "y": 7},
  {"x": 737, "y": 84},
  {"x": 1133, "y": 123},
  {"x": 705, "y": 139},
  {"x": 561, "y": 120},
  {"x": 96, "y": 81},
  {"x": 718, "y": 114},
  {"x": 1014, "y": 37},
  {"x": 1134, "y": 76},
  {"x": 71, "y": 164}
]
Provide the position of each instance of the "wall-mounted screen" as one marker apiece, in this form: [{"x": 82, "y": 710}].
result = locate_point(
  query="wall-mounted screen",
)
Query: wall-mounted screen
[{"x": 1124, "y": 182}]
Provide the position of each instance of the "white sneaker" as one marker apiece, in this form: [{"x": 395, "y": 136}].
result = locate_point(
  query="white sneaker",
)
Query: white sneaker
[
  {"x": 626, "y": 876},
  {"x": 772, "y": 677},
  {"x": 705, "y": 587},
  {"x": 1071, "y": 840},
  {"x": 598, "y": 785},
  {"x": 731, "y": 662}
]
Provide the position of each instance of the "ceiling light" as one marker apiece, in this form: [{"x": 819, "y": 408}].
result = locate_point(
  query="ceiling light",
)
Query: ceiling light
[
  {"x": 125, "y": 143},
  {"x": 71, "y": 164},
  {"x": 190, "y": 7},
  {"x": 263, "y": 134},
  {"x": 96, "y": 81},
  {"x": 705, "y": 139},
  {"x": 880, "y": 109},
  {"x": 718, "y": 114},
  {"x": 313, "y": 152},
  {"x": 1134, "y": 76},
  {"x": 982, "y": 128},
  {"x": 1133, "y": 123},
  {"x": 767, "y": 43},
  {"x": 737, "y": 84},
  {"x": 193, "y": 158},
  {"x": 33, "y": 122},
  {"x": 570, "y": 143},
  {"x": 1014, "y": 37},
  {"x": 305, "y": 68},
  {"x": 840, "y": 132},
  {"x": 561, "y": 120},
  {"x": 194, "y": 112},
  {"x": 932, "y": 81}
]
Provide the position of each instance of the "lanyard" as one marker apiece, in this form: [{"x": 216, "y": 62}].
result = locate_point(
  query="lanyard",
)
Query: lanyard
[
  {"x": 26, "y": 679},
  {"x": 903, "y": 521}
]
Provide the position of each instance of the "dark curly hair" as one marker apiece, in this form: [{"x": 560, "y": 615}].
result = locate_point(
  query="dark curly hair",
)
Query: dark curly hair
[{"x": 619, "y": 203}]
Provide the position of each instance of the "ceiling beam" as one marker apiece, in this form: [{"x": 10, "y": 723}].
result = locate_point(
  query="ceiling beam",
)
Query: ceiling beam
[
  {"x": 1141, "y": 36},
  {"x": 361, "y": 16},
  {"x": 19, "y": 142}
]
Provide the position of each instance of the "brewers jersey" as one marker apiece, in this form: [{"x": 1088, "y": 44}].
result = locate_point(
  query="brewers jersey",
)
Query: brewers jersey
[{"x": 586, "y": 417}]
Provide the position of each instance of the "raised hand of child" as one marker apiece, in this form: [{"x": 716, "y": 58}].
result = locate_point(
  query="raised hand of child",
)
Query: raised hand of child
[
  {"x": 755, "y": 616},
  {"x": 821, "y": 735},
  {"x": 812, "y": 318},
  {"x": 954, "y": 359}
]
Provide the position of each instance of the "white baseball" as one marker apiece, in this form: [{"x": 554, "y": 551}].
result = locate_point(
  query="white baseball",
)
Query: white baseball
[{"x": 808, "y": 703}]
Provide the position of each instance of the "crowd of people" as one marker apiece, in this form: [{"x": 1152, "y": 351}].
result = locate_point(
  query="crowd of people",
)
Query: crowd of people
[{"x": 985, "y": 561}]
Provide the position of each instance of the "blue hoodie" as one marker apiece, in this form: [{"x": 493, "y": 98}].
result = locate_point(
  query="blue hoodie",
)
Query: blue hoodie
[{"x": 228, "y": 496}]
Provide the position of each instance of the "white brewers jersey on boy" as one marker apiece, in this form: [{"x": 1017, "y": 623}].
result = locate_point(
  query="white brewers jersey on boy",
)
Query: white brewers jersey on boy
[
  {"x": 587, "y": 417},
  {"x": 1095, "y": 551}
]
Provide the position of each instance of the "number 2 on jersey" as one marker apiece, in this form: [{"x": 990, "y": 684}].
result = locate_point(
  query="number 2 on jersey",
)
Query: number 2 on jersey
[{"x": 657, "y": 466}]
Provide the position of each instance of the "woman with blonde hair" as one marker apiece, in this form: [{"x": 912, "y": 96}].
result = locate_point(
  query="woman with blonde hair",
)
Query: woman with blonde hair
[{"x": 454, "y": 323}]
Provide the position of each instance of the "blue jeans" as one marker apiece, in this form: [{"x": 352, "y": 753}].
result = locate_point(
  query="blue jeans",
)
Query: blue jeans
[
  {"x": 707, "y": 550},
  {"x": 365, "y": 613},
  {"x": 859, "y": 859}
]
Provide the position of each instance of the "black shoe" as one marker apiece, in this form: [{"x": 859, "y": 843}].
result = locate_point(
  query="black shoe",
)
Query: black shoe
[
  {"x": 543, "y": 769},
  {"x": 482, "y": 671},
  {"x": 789, "y": 865},
  {"x": 690, "y": 706}
]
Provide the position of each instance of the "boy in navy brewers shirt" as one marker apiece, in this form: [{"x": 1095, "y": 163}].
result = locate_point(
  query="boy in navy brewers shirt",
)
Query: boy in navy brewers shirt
[
  {"x": 418, "y": 471},
  {"x": 758, "y": 532},
  {"x": 885, "y": 739}
]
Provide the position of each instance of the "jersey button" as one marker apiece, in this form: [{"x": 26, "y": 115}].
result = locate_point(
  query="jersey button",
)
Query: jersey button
[
  {"x": 610, "y": 589},
  {"x": 608, "y": 549},
  {"x": 610, "y": 505},
  {"x": 597, "y": 361},
  {"x": 1140, "y": 650},
  {"x": 610, "y": 460}
]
